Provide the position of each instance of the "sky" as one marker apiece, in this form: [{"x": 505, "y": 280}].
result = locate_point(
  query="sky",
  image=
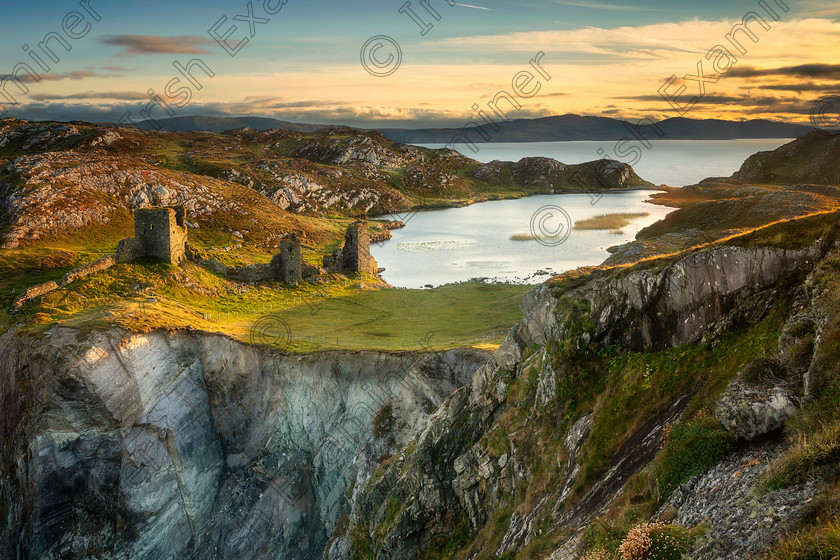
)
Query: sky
[{"x": 332, "y": 62}]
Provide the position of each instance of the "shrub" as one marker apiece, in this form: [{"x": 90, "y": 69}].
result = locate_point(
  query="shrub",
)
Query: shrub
[
  {"x": 604, "y": 534},
  {"x": 384, "y": 420},
  {"x": 690, "y": 450},
  {"x": 656, "y": 541},
  {"x": 597, "y": 554},
  {"x": 766, "y": 371}
]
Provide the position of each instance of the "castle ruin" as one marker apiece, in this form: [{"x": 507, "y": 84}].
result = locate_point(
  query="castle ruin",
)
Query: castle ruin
[
  {"x": 354, "y": 255},
  {"x": 286, "y": 264},
  {"x": 162, "y": 233},
  {"x": 158, "y": 232}
]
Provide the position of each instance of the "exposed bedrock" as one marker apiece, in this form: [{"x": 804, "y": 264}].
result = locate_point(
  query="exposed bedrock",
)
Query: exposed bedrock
[
  {"x": 188, "y": 445},
  {"x": 451, "y": 478}
]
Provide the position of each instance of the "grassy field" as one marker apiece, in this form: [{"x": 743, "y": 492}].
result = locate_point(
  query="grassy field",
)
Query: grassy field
[
  {"x": 447, "y": 317},
  {"x": 353, "y": 313}
]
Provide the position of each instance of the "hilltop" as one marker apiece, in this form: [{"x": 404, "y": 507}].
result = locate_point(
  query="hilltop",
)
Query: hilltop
[{"x": 577, "y": 127}]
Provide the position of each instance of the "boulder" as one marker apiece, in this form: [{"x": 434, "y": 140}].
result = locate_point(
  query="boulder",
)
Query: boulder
[{"x": 749, "y": 412}]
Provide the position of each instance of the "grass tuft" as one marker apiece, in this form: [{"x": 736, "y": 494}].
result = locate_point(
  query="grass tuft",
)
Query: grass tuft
[{"x": 612, "y": 222}]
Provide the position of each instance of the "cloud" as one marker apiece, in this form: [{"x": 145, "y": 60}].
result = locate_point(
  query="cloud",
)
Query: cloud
[
  {"x": 799, "y": 88},
  {"x": 742, "y": 100},
  {"x": 250, "y": 104},
  {"x": 473, "y": 7},
  {"x": 75, "y": 75},
  {"x": 812, "y": 70},
  {"x": 156, "y": 44},
  {"x": 121, "y": 68},
  {"x": 117, "y": 95},
  {"x": 595, "y": 65},
  {"x": 817, "y": 8},
  {"x": 600, "y": 6}
]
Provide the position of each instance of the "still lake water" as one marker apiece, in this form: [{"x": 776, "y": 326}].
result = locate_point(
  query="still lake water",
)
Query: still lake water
[
  {"x": 669, "y": 162},
  {"x": 458, "y": 244}
]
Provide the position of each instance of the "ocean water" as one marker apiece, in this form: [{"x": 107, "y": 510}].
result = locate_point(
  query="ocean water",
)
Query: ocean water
[{"x": 669, "y": 162}]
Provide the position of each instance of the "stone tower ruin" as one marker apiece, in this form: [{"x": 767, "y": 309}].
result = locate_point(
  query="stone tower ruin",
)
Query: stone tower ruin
[
  {"x": 354, "y": 256},
  {"x": 287, "y": 264},
  {"x": 158, "y": 232}
]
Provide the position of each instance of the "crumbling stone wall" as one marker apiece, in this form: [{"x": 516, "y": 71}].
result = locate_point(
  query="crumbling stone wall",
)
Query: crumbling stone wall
[
  {"x": 85, "y": 270},
  {"x": 129, "y": 249},
  {"x": 286, "y": 266},
  {"x": 32, "y": 293}
]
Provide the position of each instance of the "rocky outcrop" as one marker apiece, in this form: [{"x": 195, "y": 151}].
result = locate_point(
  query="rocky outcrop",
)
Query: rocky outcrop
[
  {"x": 809, "y": 159},
  {"x": 193, "y": 445},
  {"x": 553, "y": 176},
  {"x": 741, "y": 522},
  {"x": 50, "y": 194},
  {"x": 649, "y": 308}
]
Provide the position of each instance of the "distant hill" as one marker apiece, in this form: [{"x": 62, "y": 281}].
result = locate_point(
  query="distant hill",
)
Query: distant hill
[
  {"x": 548, "y": 129},
  {"x": 222, "y": 124},
  {"x": 576, "y": 127}
]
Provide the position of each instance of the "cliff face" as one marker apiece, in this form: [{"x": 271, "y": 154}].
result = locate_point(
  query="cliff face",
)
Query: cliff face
[
  {"x": 471, "y": 463},
  {"x": 192, "y": 445}
]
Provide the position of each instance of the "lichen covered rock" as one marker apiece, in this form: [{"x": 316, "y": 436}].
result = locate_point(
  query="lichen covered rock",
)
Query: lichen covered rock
[{"x": 749, "y": 412}]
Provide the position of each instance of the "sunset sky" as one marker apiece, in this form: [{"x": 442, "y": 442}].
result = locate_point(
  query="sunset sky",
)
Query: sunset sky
[{"x": 604, "y": 57}]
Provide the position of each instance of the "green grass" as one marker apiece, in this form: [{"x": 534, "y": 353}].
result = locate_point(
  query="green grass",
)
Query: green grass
[
  {"x": 815, "y": 543},
  {"x": 354, "y": 313},
  {"x": 444, "y": 317},
  {"x": 690, "y": 450}
]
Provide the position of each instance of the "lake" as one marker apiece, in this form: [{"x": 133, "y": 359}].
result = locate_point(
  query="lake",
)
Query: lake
[
  {"x": 669, "y": 162},
  {"x": 458, "y": 244}
]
